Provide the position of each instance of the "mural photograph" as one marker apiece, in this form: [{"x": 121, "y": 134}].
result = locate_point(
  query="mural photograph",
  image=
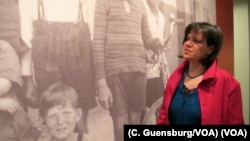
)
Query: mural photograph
[
  {"x": 108, "y": 59},
  {"x": 167, "y": 19}
]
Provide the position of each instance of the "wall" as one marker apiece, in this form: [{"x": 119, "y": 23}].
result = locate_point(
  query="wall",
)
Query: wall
[
  {"x": 233, "y": 18},
  {"x": 242, "y": 51},
  {"x": 224, "y": 18}
]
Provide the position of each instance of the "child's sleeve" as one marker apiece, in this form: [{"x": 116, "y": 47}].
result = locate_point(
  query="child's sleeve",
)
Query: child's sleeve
[{"x": 9, "y": 63}]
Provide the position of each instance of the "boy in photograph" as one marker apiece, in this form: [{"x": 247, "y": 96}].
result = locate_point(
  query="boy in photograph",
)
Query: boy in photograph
[
  {"x": 60, "y": 112},
  {"x": 121, "y": 34}
]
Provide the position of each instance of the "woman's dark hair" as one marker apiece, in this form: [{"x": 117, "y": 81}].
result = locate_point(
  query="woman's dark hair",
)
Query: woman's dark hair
[{"x": 212, "y": 35}]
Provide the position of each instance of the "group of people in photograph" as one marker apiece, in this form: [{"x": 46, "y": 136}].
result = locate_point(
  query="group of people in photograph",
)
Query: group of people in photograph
[{"x": 64, "y": 57}]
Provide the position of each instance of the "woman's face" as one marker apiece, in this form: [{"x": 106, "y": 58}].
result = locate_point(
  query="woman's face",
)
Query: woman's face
[{"x": 195, "y": 47}]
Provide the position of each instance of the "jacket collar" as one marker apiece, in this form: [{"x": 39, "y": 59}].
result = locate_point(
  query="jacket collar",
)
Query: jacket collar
[{"x": 210, "y": 73}]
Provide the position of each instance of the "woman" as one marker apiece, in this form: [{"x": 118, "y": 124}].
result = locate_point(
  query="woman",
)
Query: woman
[{"x": 198, "y": 91}]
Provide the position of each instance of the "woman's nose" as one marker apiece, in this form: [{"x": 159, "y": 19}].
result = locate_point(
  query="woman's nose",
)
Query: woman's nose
[{"x": 188, "y": 43}]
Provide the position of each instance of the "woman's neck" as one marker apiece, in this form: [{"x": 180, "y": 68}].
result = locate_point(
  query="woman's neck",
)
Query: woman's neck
[{"x": 196, "y": 69}]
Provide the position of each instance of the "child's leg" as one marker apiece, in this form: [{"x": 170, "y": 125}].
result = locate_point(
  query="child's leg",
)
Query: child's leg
[
  {"x": 82, "y": 126},
  {"x": 135, "y": 116},
  {"x": 128, "y": 92},
  {"x": 137, "y": 98},
  {"x": 119, "y": 110},
  {"x": 118, "y": 123}
]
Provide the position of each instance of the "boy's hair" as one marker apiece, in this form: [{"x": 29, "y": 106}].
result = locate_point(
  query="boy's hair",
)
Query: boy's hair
[{"x": 57, "y": 94}]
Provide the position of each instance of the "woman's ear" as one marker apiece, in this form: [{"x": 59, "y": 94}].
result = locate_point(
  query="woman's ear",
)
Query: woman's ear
[{"x": 210, "y": 49}]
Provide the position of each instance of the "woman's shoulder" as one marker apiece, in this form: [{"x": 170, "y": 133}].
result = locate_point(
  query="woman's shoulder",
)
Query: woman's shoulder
[{"x": 226, "y": 76}]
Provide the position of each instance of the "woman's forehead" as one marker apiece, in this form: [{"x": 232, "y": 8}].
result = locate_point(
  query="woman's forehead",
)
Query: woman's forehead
[{"x": 196, "y": 32}]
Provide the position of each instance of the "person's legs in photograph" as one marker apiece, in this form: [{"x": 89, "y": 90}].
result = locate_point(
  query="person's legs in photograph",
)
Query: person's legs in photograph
[
  {"x": 82, "y": 127},
  {"x": 82, "y": 82},
  {"x": 128, "y": 91},
  {"x": 137, "y": 98},
  {"x": 118, "y": 112}
]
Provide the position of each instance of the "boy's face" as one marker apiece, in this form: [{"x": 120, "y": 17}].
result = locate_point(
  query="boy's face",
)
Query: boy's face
[{"x": 61, "y": 121}]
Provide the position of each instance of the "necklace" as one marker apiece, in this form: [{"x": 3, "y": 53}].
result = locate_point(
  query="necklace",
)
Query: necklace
[{"x": 189, "y": 76}]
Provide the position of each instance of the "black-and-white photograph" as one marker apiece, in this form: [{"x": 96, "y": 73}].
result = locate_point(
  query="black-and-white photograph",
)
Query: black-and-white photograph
[{"x": 79, "y": 70}]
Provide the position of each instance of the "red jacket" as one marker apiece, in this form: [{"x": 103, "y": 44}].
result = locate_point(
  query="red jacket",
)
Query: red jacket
[{"x": 219, "y": 94}]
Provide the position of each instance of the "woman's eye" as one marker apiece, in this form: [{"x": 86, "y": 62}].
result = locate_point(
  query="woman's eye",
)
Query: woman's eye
[{"x": 197, "y": 41}]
